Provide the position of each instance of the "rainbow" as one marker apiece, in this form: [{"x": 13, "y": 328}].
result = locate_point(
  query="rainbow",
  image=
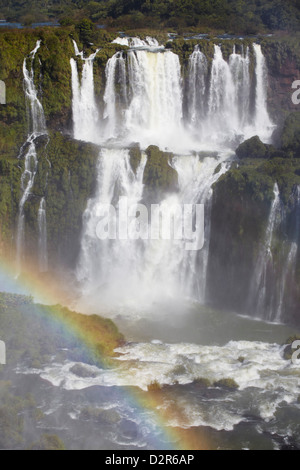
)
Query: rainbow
[{"x": 46, "y": 292}]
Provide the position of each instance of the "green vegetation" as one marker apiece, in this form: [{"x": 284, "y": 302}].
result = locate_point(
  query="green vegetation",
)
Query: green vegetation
[
  {"x": 240, "y": 210},
  {"x": 35, "y": 334},
  {"x": 55, "y": 327},
  {"x": 66, "y": 177},
  {"x": 290, "y": 138},
  {"x": 252, "y": 148},
  {"x": 14, "y": 410},
  {"x": 48, "y": 442},
  {"x": 158, "y": 174},
  {"x": 250, "y": 16},
  {"x": 263, "y": 164}
]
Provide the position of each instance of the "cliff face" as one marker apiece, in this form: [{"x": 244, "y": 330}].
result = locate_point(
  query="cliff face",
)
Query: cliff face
[
  {"x": 244, "y": 245},
  {"x": 66, "y": 174},
  {"x": 283, "y": 62},
  {"x": 280, "y": 83}
]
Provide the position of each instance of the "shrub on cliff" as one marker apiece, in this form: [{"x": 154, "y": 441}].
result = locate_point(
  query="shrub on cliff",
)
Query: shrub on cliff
[
  {"x": 290, "y": 138},
  {"x": 158, "y": 174},
  {"x": 86, "y": 29},
  {"x": 252, "y": 148}
]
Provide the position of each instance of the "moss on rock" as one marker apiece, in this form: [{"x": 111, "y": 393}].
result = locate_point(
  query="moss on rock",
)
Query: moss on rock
[{"x": 159, "y": 176}]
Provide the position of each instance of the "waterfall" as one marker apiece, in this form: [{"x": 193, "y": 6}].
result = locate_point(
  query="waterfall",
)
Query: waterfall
[
  {"x": 115, "y": 73},
  {"x": 196, "y": 177},
  {"x": 37, "y": 127},
  {"x": 221, "y": 94},
  {"x": 218, "y": 101},
  {"x": 142, "y": 271},
  {"x": 37, "y": 118},
  {"x": 137, "y": 42},
  {"x": 288, "y": 270},
  {"x": 155, "y": 111},
  {"x": 151, "y": 107},
  {"x": 107, "y": 264},
  {"x": 147, "y": 99},
  {"x": 42, "y": 244},
  {"x": 85, "y": 111},
  {"x": 260, "y": 294},
  {"x": 239, "y": 67},
  {"x": 289, "y": 264},
  {"x": 263, "y": 125},
  {"x": 197, "y": 74},
  {"x": 27, "y": 181}
]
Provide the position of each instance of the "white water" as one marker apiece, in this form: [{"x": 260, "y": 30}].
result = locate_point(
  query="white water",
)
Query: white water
[
  {"x": 259, "y": 293},
  {"x": 140, "y": 272},
  {"x": 263, "y": 379},
  {"x": 262, "y": 122},
  {"x": 239, "y": 67},
  {"x": 197, "y": 75},
  {"x": 85, "y": 110},
  {"x": 148, "y": 100},
  {"x": 37, "y": 119},
  {"x": 42, "y": 243},
  {"x": 27, "y": 181},
  {"x": 106, "y": 265},
  {"x": 135, "y": 42},
  {"x": 144, "y": 101},
  {"x": 221, "y": 102},
  {"x": 37, "y": 127},
  {"x": 154, "y": 112}
]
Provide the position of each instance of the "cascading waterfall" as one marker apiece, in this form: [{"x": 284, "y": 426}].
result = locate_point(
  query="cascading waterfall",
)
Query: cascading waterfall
[
  {"x": 197, "y": 75},
  {"x": 154, "y": 97},
  {"x": 221, "y": 94},
  {"x": 137, "y": 42},
  {"x": 109, "y": 263},
  {"x": 27, "y": 181},
  {"x": 145, "y": 270},
  {"x": 37, "y": 123},
  {"x": 42, "y": 244},
  {"x": 146, "y": 100},
  {"x": 155, "y": 110},
  {"x": 85, "y": 110},
  {"x": 239, "y": 67},
  {"x": 219, "y": 107},
  {"x": 260, "y": 295},
  {"x": 37, "y": 128},
  {"x": 196, "y": 176},
  {"x": 116, "y": 67},
  {"x": 289, "y": 264},
  {"x": 262, "y": 122}
]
